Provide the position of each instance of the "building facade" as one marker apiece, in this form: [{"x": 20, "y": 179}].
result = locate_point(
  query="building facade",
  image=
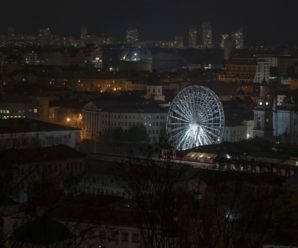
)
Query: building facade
[
  {"x": 239, "y": 70},
  {"x": 22, "y": 133},
  {"x": 192, "y": 37},
  {"x": 179, "y": 41},
  {"x": 238, "y": 38},
  {"x": 277, "y": 118},
  {"x": 207, "y": 35},
  {"x": 263, "y": 70},
  {"x": 30, "y": 107},
  {"x": 56, "y": 164},
  {"x": 100, "y": 118},
  {"x": 132, "y": 35}
]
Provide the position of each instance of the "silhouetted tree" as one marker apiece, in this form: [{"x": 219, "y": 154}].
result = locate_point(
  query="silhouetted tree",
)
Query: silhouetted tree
[{"x": 173, "y": 209}]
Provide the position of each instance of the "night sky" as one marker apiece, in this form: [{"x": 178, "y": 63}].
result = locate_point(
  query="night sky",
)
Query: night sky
[{"x": 264, "y": 21}]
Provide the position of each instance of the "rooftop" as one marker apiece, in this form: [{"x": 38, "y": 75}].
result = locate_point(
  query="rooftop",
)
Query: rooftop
[
  {"x": 30, "y": 125},
  {"x": 236, "y": 113},
  {"x": 103, "y": 210},
  {"x": 42, "y": 231},
  {"x": 41, "y": 154},
  {"x": 118, "y": 106},
  {"x": 252, "y": 147}
]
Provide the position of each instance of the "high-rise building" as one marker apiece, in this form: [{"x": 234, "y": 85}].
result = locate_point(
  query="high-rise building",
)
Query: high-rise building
[
  {"x": 11, "y": 31},
  {"x": 238, "y": 37},
  {"x": 132, "y": 35},
  {"x": 45, "y": 37},
  {"x": 207, "y": 35},
  {"x": 192, "y": 37},
  {"x": 179, "y": 41},
  {"x": 45, "y": 32},
  {"x": 228, "y": 46},
  {"x": 223, "y": 38},
  {"x": 83, "y": 31}
]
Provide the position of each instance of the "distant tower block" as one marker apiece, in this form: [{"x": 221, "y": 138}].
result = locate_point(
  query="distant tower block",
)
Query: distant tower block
[
  {"x": 11, "y": 31},
  {"x": 179, "y": 41},
  {"x": 223, "y": 38},
  {"x": 193, "y": 37},
  {"x": 45, "y": 32},
  {"x": 238, "y": 38},
  {"x": 207, "y": 35},
  {"x": 132, "y": 35},
  {"x": 84, "y": 31},
  {"x": 229, "y": 46}
]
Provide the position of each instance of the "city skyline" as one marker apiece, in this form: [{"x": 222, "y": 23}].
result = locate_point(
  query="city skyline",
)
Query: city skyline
[
  {"x": 260, "y": 20},
  {"x": 148, "y": 123}
]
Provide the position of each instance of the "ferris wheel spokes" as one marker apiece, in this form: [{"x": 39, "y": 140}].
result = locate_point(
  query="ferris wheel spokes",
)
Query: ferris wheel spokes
[{"x": 195, "y": 118}]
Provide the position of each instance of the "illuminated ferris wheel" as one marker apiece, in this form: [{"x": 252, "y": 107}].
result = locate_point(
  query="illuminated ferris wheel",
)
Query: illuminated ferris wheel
[{"x": 195, "y": 118}]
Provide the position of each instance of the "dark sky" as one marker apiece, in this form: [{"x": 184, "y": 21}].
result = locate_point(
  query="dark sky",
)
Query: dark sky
[{"x": 268, "y": 21}]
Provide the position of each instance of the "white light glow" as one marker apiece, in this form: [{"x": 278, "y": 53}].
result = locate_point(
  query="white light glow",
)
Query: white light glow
[{"x": 195, "y": 118}]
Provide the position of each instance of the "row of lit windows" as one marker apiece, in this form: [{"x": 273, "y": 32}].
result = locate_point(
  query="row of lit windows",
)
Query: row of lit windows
[
  {"x": 121, "y": 124},
  {"x": 113, "y": 235},
  {"x": 103, "y": 191},
  {"x": 24, "y": 141},
  {"x": 7, "y": 111},
  {"x": 12, "y": 117},
  {"x": 4, "y": 111},
  {"x": 50, "y": 168},
  {"x": 154, "y": 131},
  {"x": 122, "y": 116},
  {"x": 130, "y": 124}
]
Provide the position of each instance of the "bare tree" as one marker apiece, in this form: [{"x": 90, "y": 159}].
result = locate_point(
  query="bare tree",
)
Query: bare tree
[
  {"x": 155, "y": 188},
  {"x": 172, "y": 210}
]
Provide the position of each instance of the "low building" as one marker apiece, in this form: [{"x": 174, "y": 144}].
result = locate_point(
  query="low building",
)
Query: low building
[
  {"x": 101, "y": 117},
  {"x": 234, "y": 133},
  {"x": 100, "y": 177},
  {"x": 238, "y": 122},
  {"x": 101, "y": 221},
  {"x": 67, "y": 113},
  {"x": 276, "y": 117},
  {"x": 22, "y": 133},
  {"x": 40, "y": 232},
  {"x": 24, "y": 107},
  {"x": 286, "y": 125},
  {"x": 154, "y": 89},
  {"x": 28, "y": 166},
  {"x": 248, "y": 156},
  {"x": 239, "y": 70},
  {"x": 265, "y": 66}
]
